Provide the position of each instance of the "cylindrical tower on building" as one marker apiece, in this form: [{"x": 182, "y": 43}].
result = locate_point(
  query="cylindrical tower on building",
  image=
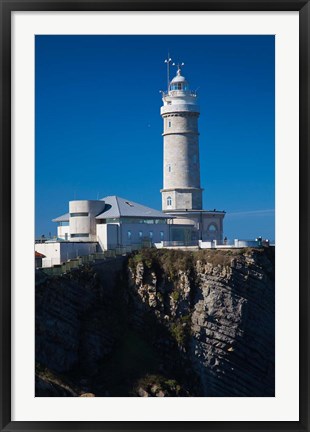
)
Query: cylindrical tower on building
[
  {"x": 180, "y": 112},
  {"x": 82, "y": 220}
]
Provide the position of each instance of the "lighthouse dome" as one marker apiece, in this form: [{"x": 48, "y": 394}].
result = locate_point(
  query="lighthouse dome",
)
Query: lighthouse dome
[
  {"x": 178, "y": 78},
  {"x": 179, "y": 82}
]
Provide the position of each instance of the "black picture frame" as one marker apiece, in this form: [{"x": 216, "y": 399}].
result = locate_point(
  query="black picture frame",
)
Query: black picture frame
[{"x": 6, "y": 8}]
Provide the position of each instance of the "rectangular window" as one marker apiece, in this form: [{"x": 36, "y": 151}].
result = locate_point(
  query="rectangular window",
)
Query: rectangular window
[
  {"x": 169, "y": 123},
  {"x": 151, "y": 234},
  {"x": 140, "y": 234},
  {"x": 161, "y": 235},
  {"x": 64, "y": 223},
  {"x": 169, "y": 168},
  {"x": 112, "y": 220},
  {"x": 129, "y": 234},
  {"x": 160, "y": 221},
  {"x": 78, "y": 214},
  {"x": 79, "y": 235}
]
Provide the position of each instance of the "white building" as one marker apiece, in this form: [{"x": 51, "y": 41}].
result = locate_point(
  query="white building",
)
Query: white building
[
  {"x": 93, "y": 226},
  {"x": 182, "y": 192},
  {"x": 112, "y": 222},
  {"x": 59, "y": 251}
]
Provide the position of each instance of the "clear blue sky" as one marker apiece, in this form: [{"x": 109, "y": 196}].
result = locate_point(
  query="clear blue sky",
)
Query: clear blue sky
[{"x": 98, "y": 125}]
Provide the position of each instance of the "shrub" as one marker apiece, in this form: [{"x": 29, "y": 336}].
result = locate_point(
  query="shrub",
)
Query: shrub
[
  {"x": 175, "y": 295},
  {"x": 180, "y": 329}
]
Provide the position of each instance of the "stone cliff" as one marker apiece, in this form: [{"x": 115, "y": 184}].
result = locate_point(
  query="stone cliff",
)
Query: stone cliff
[
  {"x": 161, "y": 323},
  {"x": 219, "y": 308}
]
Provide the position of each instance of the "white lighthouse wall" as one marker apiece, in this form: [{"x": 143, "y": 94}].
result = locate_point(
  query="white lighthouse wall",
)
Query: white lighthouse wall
[
  {"x": 181, "y": 161},
  {"x": 182, "y": 191},
  {"x": 181, "y": 150},
  {"x": 181, "y": 199}
]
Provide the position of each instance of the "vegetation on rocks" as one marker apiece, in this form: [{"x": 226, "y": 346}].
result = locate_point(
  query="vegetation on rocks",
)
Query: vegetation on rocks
[
  {"x": 180, "y": 329},
  {"x": 158, "y": 386}
]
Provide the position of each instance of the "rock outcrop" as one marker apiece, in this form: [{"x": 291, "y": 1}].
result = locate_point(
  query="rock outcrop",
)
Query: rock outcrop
[
  {"x": 219, "y": 308},
  {"x": 77, "y": 317}
]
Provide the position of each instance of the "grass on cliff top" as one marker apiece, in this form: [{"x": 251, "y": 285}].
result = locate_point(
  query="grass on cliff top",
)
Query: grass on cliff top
[{"x": 172, "y": 261}]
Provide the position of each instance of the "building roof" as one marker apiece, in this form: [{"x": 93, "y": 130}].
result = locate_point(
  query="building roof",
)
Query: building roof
[
  {"x": 64, "y": 218},
  {"x": 39, "y": 255},
  {"x": 116, "y": 207}
]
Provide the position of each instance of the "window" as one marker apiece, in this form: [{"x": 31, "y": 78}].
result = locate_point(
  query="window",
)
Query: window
[
  {"x": 169, "y": 201},
  {"x": 169, "y": 168},
  {"x": 212, "y": 228},
  {"x": 140, "y": 234},
  {"x": 129, "y": 235},
  {"x": 112, "y": 220},
  {"x": 78, "y": 214},
  {"x": 160, "y": 221},
  {"x": 151, "y": 234},
  {"x": 79, "y": 235},
  {"x": 169, "y": 123},
  {"x": 161, "y": 235},
  {"x": 177, "y": 86}
]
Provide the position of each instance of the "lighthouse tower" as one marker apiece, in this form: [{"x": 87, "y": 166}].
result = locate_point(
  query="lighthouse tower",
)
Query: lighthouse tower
[
  {"x": 182, "y": 192},
  {"x": 180, "y": 114}
]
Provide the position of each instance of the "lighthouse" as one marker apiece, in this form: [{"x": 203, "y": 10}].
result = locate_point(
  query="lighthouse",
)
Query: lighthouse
[
  {"x": 182, "y": 192},
  {"x": 180, "y": 112}
]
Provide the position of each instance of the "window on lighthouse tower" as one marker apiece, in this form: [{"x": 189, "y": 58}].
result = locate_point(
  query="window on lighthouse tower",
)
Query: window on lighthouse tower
[
  {"x": 177, "y": 86},
  {"x": 169, "y": 201}
]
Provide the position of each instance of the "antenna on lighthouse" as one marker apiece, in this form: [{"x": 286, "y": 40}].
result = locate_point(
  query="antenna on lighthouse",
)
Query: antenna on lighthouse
[
  {"x": 179, "y": 65},
  {"x": 168, "y": 61}
]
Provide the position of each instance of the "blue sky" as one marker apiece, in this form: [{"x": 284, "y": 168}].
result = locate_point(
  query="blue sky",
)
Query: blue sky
[{"x": 98, "y": 125}]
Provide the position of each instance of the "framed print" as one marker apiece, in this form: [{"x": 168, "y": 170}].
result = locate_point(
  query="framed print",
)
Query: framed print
[{"x": 154, "y": 215}]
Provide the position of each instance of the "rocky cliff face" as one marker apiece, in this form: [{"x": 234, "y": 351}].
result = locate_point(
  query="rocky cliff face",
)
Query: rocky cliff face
[
  {"x": 218, "y": 306},
  {"x": 78, "y": 322},
  {"x": 162, "y": 323}
]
